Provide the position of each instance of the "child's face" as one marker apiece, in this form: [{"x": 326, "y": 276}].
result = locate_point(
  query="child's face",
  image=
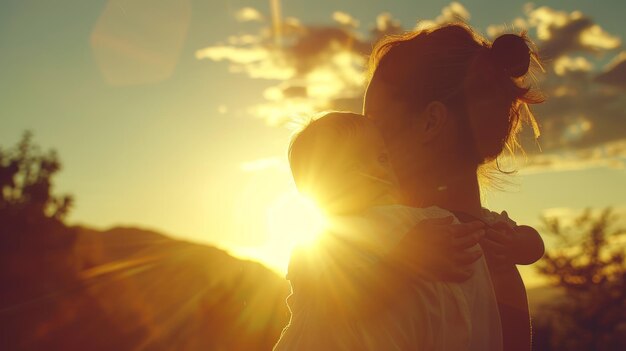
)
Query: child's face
[
  {"x": 372, "y": 159},
  {"x": 366, "y": 174}
]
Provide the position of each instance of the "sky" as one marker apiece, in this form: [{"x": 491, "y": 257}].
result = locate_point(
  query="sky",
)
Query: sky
[{"x": 175, "y": 115}]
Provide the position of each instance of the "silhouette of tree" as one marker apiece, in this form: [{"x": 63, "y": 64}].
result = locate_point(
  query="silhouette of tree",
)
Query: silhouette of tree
[
  {"x": 588, "y": 262},
  {"x": 36, "y": 247},
  {"x": 25, "y": 183}
]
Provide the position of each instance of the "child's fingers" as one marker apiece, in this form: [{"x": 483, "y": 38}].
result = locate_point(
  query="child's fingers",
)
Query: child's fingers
[
  {"x": 503, "y": 226},
  {"x": 497, "y": 236},
  {"x": 492, "y": 245}
]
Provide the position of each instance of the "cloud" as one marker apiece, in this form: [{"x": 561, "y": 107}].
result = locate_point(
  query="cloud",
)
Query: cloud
[
  {"x": 560, "y": 32},
  {"x": 255, "y": 60},
  {"x": 321, "y": 67},
  {"x": 248, "y": 14},
  {"x": 567, "y": 64},
  {"x": 318, "y": 67},
  {"x": 345, "y": 19},
  {"x": 517, "y": 25},
  {"x": 455, "y": 12},
  {"x": 615, "y": 72},
  {"x": 609, "y": 155},
  {"x": 233, "y": 54}
]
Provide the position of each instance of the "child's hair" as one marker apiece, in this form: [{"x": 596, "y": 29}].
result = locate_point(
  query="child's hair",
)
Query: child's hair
[
  {"x": 319, "y": 148},
  {"x": 473, "y": 77}
]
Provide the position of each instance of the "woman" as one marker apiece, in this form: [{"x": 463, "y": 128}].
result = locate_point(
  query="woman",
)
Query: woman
[{"x": 448, "y": 103}]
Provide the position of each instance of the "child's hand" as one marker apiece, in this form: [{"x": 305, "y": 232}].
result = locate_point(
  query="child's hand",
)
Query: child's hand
[
  {"x": 501, "y": 219},
  {"x": 436, "y": 249},
  {"x": 498, "y": 245}
]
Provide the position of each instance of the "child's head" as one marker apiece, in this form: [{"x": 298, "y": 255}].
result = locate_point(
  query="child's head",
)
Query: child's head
[
  {"x": 449, "y": 70},
  {"x": 340, "y": 161}
]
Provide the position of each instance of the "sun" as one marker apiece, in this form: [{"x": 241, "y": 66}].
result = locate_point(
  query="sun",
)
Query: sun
[
  {"x": 273, "y": 219},
  {"x": 291, "y": 220},
  {"x": 295, "y": 220}
]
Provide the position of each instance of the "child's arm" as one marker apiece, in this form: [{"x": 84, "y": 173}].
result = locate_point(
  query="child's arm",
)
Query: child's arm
[
  {"x": 510, "y": 243},
  {"x": 528, "y": 243}
]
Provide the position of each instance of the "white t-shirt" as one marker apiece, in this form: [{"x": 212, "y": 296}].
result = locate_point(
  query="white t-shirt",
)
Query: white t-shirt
[{"x": 431, "y": 316}]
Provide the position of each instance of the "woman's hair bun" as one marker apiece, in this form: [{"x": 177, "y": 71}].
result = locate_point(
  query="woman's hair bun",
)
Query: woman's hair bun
[{"x": 510, "y": 53}]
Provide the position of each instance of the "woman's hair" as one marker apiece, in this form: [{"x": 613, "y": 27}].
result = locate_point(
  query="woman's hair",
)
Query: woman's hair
[
  {"x": 317, "y": 149},
  {"x": 478, "y": 80}
]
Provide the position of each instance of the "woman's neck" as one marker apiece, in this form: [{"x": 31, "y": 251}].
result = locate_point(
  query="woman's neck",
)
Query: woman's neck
[{"x": 460, "y": 192}]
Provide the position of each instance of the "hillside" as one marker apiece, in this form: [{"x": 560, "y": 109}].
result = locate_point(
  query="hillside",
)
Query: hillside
[{"x": 140, "y": 290}]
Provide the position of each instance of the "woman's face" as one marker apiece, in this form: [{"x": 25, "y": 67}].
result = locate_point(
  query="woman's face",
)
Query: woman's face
[
  {"x": 424, "y": 148},
  {"x": 418, "y": 152}
]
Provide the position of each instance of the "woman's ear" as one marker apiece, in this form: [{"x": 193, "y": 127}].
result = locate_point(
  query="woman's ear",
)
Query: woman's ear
[{"x": 435, "y": 117}]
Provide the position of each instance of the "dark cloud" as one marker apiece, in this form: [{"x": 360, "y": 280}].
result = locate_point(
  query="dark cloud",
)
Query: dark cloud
[
  {"x": 562, "y": 33},
  {"x": 610, "y": 155},
  {"x": 564, "y": 39},
  {"x": 314, "y": 44},
  {"x": 295, "y": 91},
  {"x": 615, "y": 75},
  {"x": 588, "y": 117},
  {"x": 354, "y": 104}
]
